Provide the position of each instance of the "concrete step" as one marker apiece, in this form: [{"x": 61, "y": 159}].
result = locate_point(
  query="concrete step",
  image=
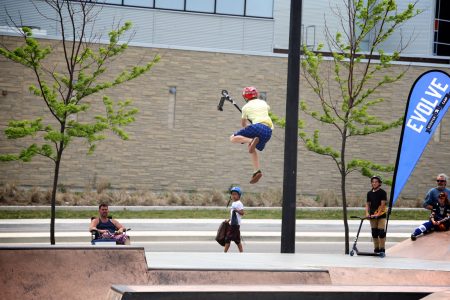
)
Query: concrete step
[{"x": 179, "y": 236}]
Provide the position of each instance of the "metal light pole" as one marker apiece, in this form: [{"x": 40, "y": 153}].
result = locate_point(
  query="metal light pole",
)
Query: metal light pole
[{"x": 291, "y": 131}]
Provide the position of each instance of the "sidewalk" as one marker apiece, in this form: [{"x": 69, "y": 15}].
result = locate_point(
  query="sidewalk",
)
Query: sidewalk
[{"x": 75, "y": 230}]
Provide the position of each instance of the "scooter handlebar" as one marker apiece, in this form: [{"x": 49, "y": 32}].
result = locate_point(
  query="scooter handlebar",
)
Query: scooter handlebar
[
  {"x": 221, "y": 102},
  {"x": 225, "y": 94},
  {"x": 361, "y": 218}
]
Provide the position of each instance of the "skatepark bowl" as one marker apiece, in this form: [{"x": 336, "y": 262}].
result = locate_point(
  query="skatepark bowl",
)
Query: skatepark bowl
[{"x": 410, "y": 270}]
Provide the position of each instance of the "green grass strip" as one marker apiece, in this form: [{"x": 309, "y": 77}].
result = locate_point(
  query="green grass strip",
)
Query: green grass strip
[{"x": 204, "y": 214}]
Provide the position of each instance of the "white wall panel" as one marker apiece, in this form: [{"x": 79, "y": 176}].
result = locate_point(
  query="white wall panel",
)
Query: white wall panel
[
  {"x": 142, "y": 20},
  {"x": 325, "y": 13},
  {"x": 281, "y": 15},
  {"x": 418, "y": 31},
  {"x": 184, "y": 29},
  {"x": 314, "y": 13},
  {"x": 23, "y": 13},
  {"x": 231, "y": 33},
  {"x": 320, "y": 15},
  {"x": 258, "y": 35},
  {"x": 206, "y": 31},
  {"x": 213, "y": 31}
]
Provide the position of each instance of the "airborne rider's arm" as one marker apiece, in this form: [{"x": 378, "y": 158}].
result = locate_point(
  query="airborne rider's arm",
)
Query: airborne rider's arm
[{"x": 244, "y": 123}]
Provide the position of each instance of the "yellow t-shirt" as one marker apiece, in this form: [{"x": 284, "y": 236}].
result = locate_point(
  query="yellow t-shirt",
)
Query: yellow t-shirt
[{"x": 257, "y": 111}]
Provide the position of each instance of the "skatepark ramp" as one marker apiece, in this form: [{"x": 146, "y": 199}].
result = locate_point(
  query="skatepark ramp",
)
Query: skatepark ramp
[
  {"x": 433, "y": 246},
  {"x": 411, "y": 270},
  {"x": 88, "y": 272},
  {"x": 67, "y": 272}
]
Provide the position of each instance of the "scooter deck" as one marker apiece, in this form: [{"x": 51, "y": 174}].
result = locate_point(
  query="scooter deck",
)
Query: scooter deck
[
  {"x": 370, "y": 254},
  {"x": 379, "y": 254}
]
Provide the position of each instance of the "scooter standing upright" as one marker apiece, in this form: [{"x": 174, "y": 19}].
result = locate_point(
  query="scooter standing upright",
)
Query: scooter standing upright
[{"x": 355, "y": 249}]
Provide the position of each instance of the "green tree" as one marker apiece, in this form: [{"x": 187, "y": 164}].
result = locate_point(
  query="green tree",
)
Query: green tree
[
  {"x": 65, "y": 89},
  {"x": 353, "y": 74}
]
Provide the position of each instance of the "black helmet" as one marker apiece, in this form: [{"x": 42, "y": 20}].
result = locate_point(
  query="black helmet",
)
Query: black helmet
[{"x": 377, "y": 178}]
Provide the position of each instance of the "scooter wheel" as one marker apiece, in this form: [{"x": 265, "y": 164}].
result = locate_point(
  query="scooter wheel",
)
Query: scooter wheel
[
  {"x": 382, "y": 254},
  {"x": 352, "y": 253}
]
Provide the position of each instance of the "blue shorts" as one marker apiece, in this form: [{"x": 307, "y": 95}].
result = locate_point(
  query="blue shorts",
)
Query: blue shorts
[{"x": 263, "y": 132}]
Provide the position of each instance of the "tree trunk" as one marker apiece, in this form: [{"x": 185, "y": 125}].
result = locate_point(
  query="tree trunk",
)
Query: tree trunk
[
  {"x": 343, "y": 190},
  {"x": 344, "y": 213},
  {"x": 53, "y": 203},
  {"x": 55, "y": 187}
]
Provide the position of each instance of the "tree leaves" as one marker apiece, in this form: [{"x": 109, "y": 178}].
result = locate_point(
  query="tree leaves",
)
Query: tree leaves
[
  {"x": 64, "y": 96},
  {"x": 354, "y": 74},
  {"x": 20, "y": 129}
]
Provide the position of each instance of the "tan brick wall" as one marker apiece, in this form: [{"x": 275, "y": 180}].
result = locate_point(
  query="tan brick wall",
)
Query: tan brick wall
[{"x": 196, "y": 154}]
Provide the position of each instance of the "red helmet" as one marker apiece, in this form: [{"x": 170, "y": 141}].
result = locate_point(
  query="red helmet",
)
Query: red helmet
[{"x": 249, "y": 93}]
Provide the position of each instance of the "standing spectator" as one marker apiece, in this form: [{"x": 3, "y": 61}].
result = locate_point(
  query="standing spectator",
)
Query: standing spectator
[
  {"x": 236, "y": 211},
  {"x": 431, "y": 199},
  {"x": 439, "y": 218},
  {"x": 256, "y": 129},
  {"x": 376, "y": 212}
]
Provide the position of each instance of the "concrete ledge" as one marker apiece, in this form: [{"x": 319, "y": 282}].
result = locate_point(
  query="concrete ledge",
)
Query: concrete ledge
[
  {"x": 238, "y": 277},
  {"x": 281, "y": 292}
]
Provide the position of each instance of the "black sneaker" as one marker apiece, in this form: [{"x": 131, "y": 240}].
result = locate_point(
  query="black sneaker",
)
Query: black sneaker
[
  {"x": 376, "y": 250},
  {"x": 413, "y": 237},
  {"x": 382, "y": 250}
]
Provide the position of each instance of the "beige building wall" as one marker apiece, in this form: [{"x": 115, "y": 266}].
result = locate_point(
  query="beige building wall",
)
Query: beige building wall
[{"x": 182, "y": 142}]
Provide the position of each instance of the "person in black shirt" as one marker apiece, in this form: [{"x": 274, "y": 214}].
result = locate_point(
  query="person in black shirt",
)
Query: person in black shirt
[{"x": 376, "y": 212}]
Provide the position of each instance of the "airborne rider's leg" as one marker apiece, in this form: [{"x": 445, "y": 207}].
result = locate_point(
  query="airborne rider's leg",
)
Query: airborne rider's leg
[
  {"x": 255, "y": 161},
  {"x": 240, "y": 139}
]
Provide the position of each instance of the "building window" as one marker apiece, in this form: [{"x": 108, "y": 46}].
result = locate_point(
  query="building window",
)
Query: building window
[
  {"x": 114, "y": 2},
  {"x": 230, "y": 7},
  {"x": 442, "y": 28},
  {"x": 142, "y": 3},
  {"x": 259, "y": 8},
  {"x": 200, "y": 5},
  {"x": 170, "y": 4},
  {"x": 244, "y": 8}
]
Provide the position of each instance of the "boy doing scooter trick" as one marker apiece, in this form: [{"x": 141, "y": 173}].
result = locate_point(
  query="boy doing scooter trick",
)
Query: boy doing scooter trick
[{"x": 257, "y": 128}]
